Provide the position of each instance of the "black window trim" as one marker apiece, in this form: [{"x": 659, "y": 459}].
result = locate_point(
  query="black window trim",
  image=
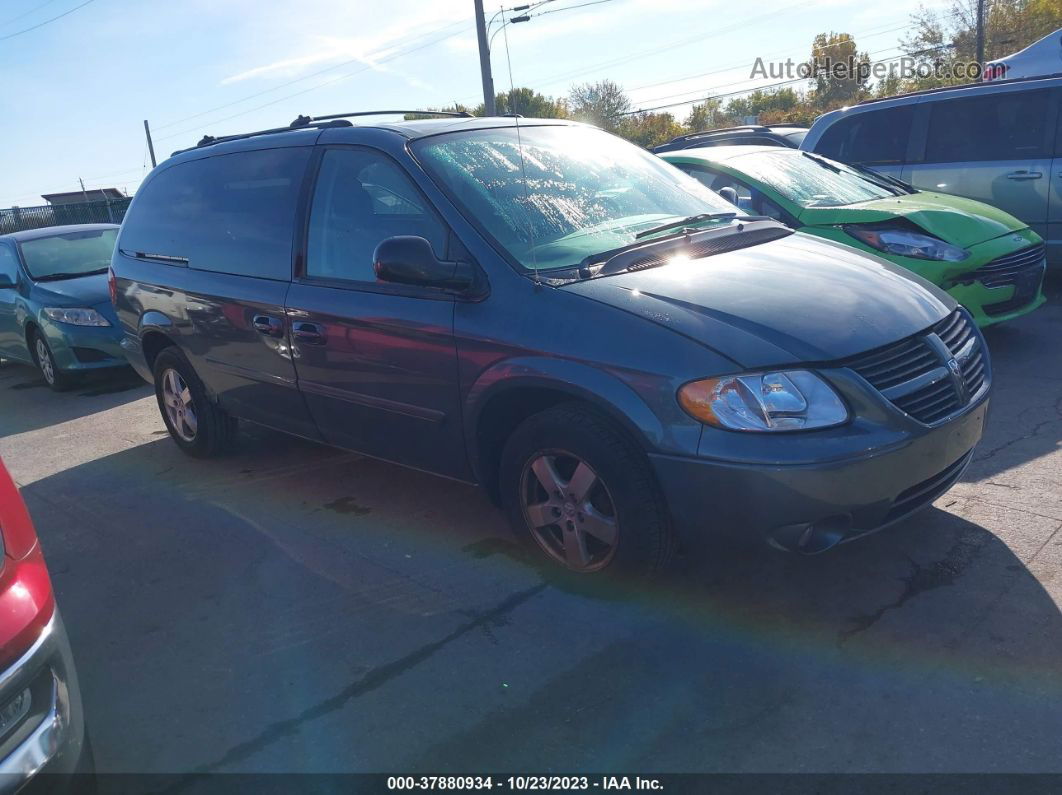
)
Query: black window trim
[
  {"x": 857, "y": 114},
  {"x": 302, "y": 233}
]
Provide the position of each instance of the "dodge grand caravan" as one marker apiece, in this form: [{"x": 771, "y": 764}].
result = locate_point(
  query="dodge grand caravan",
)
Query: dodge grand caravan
[{"x": 622, "y": 359}]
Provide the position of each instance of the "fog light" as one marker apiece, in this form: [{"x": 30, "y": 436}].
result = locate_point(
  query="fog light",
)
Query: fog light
[{"x": 12, "y": 712}]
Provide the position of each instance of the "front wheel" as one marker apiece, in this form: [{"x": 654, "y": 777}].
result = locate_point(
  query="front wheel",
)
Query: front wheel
[
  {"x": 57, "y": 379},
  {"x": 199, "y": 426},
  {"x": 581, "y": 493}
]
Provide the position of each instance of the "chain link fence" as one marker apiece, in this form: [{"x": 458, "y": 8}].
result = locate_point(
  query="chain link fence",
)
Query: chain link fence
[{"x": 110, "y": 211}]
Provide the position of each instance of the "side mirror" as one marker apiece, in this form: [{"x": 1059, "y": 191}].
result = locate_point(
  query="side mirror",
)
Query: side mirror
[
  {"x": 7, "y": 280},
  {"x": 408, "y": 259},
  {"x": 729, "y": 194}
]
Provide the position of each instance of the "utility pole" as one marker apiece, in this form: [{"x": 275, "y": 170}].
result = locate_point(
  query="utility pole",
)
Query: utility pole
[
  {"x": 151, "y": 146},
  {"x": 981, "y": 33},
  {"x": 484, "y": 61}
]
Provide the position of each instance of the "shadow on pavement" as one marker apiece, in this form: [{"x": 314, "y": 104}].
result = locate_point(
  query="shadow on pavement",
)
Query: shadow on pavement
[
  {"x": 292, "y": 607},
  {"x": 27, "y": 403}
]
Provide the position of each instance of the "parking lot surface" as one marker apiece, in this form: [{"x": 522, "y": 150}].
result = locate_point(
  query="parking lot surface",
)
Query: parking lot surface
[{"x": 296, "y": 608}]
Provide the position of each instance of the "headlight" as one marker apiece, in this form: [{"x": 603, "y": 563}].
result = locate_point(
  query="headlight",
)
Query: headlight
[
  {"x": 907, "y": 244},
  {"x": 76, "y": 317},
  {"x": 780, "y": 401}
]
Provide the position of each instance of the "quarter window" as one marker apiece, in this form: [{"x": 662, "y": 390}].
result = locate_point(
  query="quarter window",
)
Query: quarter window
[
  {"x": 8, "y": 263},
  {"x": 227, "y": 213},
  {"x": 997, "y": 126},
  {"x": 360, "y": 199},
  {"x": 874, "y": 137}
]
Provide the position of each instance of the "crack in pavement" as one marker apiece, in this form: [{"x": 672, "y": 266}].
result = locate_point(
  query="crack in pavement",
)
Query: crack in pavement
[
  {"x": 1037, "y": 429},
  {"x": 921, "y": 579},
  {"x": 374, "y": 679}
]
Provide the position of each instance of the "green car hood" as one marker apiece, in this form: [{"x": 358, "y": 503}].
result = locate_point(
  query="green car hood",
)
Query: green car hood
[{"x": 962, "y": 222}]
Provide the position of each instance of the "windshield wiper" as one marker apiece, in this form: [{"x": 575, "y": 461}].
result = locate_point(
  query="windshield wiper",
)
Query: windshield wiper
[
  {"x": 886, "y": 180},
  {"x": 824, "y": 163},
  {"x": 54, "y": 277},
  {"x": 692, "y": 219}
]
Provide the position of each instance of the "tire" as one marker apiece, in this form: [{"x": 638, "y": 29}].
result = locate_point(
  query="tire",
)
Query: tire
[
  {"x": 57, "y": 379},
  {"x": 573, "y": 446},
  {"x": 197, "y": 424}
]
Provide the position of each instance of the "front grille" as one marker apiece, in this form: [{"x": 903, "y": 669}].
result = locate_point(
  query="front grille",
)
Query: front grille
[
  {"x": 916, "y": 375},
  {"x": 928, "y": 490},
  {"x": 1004, "y": 271}
]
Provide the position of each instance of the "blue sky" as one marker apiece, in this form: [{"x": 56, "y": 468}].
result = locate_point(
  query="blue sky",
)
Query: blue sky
[{"x": 76, "y": 90}]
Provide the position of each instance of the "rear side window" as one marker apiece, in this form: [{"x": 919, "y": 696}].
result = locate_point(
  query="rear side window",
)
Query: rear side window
[
  {"x": 1000, "y": 126},
  {"x": 229, "y": 213},
  {"x": 873, "y": 137}
]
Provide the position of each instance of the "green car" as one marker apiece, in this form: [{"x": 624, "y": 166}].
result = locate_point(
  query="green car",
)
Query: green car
[{"x": 988, "y": 260}]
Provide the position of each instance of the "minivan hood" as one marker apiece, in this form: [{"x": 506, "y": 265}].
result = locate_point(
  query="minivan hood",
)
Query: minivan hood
[
  {"x": 79, "y": 291},
  {"x": 953, "y": 219},
  {"x": 797, "y": 299}
]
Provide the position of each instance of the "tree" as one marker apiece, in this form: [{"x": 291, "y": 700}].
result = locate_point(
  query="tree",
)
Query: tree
[
  {"x": 839, "y": 71},
  {"x": 601, "y": 103},
  {"x": 705, "y": 115},
  {"x": 942, "y": 40},
  {"x": 649, "y": 129},
  {"x": 527, "y": 102}
]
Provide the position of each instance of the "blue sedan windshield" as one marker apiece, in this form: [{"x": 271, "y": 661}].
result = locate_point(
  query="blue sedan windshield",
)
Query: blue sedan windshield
[
  {"x": 69, "y": 255},
  {"x": 574, "y": 192}
]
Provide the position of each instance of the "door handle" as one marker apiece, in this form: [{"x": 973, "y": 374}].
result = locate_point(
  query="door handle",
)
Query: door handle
[
  {"x": 270, "y": 326},
  {"x": 1024, "y": 175},
  {"x": 308, "y": 333}
]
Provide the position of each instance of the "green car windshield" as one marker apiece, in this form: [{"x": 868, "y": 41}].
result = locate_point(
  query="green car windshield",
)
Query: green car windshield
[
  {"x": 69, "y": 255},
  {"x": 574, "y": 193},
  {"x": 811, "y": 180}
]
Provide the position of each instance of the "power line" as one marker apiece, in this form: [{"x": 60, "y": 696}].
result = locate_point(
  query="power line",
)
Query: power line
[
  {"x": 45, "y": 22},
  {"x": 333, "y": 67},
  {"x": 26, "y": 13},
  {"x": 571, "y": 8},
  {"x": 385, "y": 59},
  {"x": 752, "y": 88}
]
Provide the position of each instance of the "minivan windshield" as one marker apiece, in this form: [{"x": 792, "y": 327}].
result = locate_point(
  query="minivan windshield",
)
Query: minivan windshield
[
  {"x": 812, "y": 180},
  {"x": 69, "y": 255},
  {"x": 576, "y": 192}
]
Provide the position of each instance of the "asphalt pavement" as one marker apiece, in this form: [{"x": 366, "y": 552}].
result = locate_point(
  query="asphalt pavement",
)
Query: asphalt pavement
[{"x": 296, "y": 608}]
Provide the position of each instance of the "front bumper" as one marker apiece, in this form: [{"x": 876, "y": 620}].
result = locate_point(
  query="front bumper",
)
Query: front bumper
[
  {"x": 809, "y": 507},
  {"x": 50, "y": 740},
  {"x": 78, "y": 348}
]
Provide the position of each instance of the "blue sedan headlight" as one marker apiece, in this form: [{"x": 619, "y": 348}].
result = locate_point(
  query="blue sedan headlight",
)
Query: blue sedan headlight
[{"x": 76, "y": 316}]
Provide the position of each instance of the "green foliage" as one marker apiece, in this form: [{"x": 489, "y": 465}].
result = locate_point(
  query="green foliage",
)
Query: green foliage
[
  {"x": 649, "y": 129},
  {"x": 602, "y": 103}
]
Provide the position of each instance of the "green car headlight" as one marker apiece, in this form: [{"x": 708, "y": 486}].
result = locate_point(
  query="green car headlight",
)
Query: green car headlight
[
  {"x": 906, "y": 243},
  {"x": 76, "y": 316}
]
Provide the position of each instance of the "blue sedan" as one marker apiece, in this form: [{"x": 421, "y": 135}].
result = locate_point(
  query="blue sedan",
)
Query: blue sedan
[{"x": 55, "y": 308}]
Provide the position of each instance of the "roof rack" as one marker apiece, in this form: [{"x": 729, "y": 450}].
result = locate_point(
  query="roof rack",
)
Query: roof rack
[
  {"x": 960, "y": 86},
  {"x": 210, "y": 140},
  {"x": 310, "y": 122},
  {"x": 748, "y": 127},
  {"x": 305, "y": 121}
]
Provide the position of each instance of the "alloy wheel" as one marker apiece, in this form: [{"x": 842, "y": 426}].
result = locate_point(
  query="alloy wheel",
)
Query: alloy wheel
[
  {"x": 180, "y": 408},
  {"x": 569, "y": 510},
  {"x": 44, "y": 361}
]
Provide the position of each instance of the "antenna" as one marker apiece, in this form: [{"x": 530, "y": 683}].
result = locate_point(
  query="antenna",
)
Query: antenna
[{"x": 520, "y": 149}]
